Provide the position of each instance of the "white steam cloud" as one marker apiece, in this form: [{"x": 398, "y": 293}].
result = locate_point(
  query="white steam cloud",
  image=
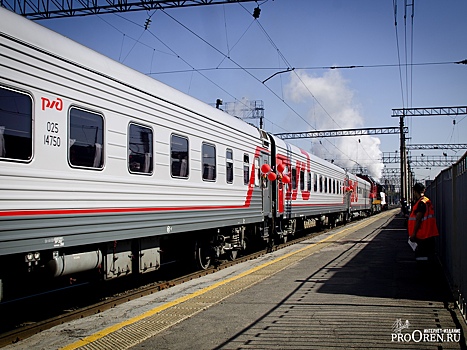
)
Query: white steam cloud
[{"x": 336, "y": 109}]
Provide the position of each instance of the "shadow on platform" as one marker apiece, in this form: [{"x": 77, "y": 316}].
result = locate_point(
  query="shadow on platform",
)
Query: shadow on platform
[{"x": 386, "y": 268}]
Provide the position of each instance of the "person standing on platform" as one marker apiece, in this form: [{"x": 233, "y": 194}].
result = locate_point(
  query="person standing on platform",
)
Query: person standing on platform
[{"x": 422, "y": 224}]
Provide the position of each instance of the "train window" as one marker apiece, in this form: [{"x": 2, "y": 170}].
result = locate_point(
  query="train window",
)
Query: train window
[
  {"x": 308, "y": 183},
  {"x": 229, "y": 166},
  {"x": 315, "y": 182},
  {"x": 209, "y": 162},
  {"x": 325, "y": 185},
  {"x": 15, "y": 125},
  {"x": 302, "y": 180},
  {"x": 140, "y": 153},
  {"x": 86, "y": 139},
  {"x": 321, "y": 183},
  {"x": 294, "y": 178},
  {"x": 179, "y": 158},
  {"x": 246, "y": 169},
  {"x": 258, "y": 172},
  {"x": 334, "y": 186}
]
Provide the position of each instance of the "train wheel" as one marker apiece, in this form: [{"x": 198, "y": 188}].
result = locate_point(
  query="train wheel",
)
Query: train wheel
[
  {"x": 233, "y": 255},
  {"x": 280, "y": 239},
  {"x": 202, "y": 255}
]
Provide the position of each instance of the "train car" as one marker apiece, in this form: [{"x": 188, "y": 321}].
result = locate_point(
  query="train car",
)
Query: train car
[
  {"x": 359, "y": 189},
  {"x": 308, "y": 191},
  {"x": 104, "y": 170},
  {"x": 100, "y": 165},
  {"x": 377, "y": 194}
]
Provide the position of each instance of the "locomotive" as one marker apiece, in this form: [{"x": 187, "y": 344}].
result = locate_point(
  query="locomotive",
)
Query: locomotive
[
  {"x": 377, "y": 194},
  {"x": 105, "y": 169}
]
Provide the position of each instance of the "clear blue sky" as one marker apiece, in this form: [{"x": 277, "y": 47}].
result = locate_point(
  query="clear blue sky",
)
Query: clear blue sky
[{"x": 221, "y": 51}]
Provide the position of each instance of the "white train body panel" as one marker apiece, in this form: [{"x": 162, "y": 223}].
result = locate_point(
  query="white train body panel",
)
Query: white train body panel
[
  {"x": 316, "y": 185},
  {"x": 101, "y": 165},
  {"x": 49, "y": 197}
]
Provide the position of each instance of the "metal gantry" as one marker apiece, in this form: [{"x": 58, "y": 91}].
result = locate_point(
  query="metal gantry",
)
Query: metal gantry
[
  {"x": 429, "y": 111},
  {"x": 418, "y": 112},
  {"x": 44, "y": 9},
  {"x": 432, "y": 161},
  {"x": 422, "y": 161},
  {"x": 450, "y": 146},
  {"x": 340, "y": 132}
]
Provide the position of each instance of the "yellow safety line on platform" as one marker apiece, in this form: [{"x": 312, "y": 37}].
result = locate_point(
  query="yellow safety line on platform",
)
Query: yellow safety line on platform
[{"x": 86, "y": 342}]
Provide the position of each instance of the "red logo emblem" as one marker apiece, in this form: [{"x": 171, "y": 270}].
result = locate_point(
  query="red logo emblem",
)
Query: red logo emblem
[{"x": 57, "y": 104}]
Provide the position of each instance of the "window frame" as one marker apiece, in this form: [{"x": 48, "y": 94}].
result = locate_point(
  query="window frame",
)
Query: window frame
[
  {"x": 294, "y": 178},
  {"x": 69, "y": 138},
  {"x": 187, "y": 157},
  {"x": 151, "y": 144},
  {"x": 246, "y": 169},
  {"x": 302, "y": 179},
  {"x": 31, "y": 128},
  {"x": 207, "y": 144},
  {"x": 227, "y": 162},
  {"x": 258, "y": 173}
]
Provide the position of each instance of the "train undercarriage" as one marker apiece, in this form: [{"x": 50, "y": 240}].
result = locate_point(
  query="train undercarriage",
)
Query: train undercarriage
[{"x": 112, "y": 260}]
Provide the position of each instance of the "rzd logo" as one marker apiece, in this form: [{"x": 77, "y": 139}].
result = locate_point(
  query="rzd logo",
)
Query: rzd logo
[{"x": 57, "y": 104}]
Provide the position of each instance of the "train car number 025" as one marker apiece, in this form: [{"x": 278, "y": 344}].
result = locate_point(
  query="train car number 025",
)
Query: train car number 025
[{"x": 50, "y": 139}]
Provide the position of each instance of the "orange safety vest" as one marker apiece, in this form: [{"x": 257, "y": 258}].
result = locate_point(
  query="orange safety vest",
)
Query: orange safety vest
[{"x": 428, "y": 226}]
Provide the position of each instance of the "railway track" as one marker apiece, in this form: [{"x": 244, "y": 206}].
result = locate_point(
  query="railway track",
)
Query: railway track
[{"x": 26, "y": 329}]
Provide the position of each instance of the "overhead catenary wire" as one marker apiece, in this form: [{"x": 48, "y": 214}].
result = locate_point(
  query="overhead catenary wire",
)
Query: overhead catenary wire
[
  {"x": 249, "y": 73},
  {"x": 289, "y": 69},
  {"x": 239, "y": 66},
  {"x": 278, "y": 68},
  {"x": 394, "y": 2},
  {"x": 227, "y": 56}
]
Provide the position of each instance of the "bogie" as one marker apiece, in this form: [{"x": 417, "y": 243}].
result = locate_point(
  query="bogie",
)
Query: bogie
[{"x": 108, "y": 172}]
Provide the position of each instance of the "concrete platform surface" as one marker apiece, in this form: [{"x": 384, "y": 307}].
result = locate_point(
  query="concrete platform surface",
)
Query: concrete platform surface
[
  {"x": 355, "y": 287},
  {"x": 364, "y": 291}
]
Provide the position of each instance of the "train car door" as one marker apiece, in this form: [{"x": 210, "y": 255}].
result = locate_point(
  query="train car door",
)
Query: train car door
[{"x": 266, "y": 185}]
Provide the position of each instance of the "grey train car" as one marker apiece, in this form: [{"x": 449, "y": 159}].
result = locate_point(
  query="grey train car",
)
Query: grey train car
[{"x": 107, "y": 170}]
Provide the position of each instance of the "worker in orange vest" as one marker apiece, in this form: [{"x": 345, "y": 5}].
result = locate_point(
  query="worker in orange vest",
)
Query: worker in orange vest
[{"x": 422, "y": 224}]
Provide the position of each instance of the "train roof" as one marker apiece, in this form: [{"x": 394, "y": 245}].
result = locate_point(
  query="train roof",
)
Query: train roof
[{"x": 43, "y": 39}]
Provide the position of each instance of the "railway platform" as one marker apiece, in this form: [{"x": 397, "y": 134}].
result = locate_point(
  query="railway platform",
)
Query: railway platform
[{"x": 355, "y": 287}]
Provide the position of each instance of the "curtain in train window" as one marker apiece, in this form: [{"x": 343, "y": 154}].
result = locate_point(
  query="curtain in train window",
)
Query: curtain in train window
[
  {"x": 15, "y": 125},
  {"x": 209, "y": 162},
  {"x": 308, "y": 183},
  {"x": 229, "y": 166},
  {"x": 86, "y": 139},
  {"x": 179, "y": 156},
  {"x": 140, "y": 153}
]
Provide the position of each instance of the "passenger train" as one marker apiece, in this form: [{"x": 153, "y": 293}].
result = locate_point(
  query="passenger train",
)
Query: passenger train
[{"x": 107, "y": 170}]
